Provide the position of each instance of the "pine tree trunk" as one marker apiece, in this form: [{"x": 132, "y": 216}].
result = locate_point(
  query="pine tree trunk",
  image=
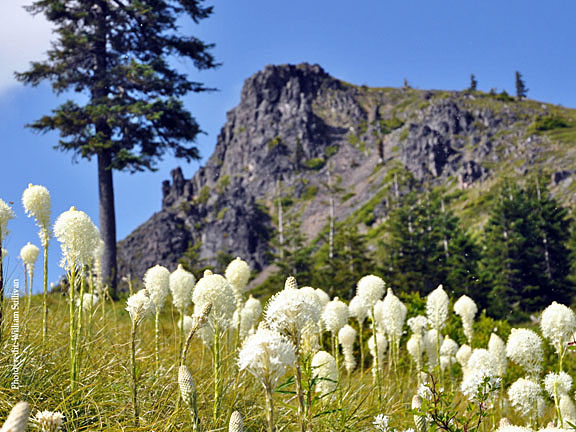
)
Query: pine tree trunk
[
  {"x": 100, "y": 92},
  {"x": 107, "y": 222}
]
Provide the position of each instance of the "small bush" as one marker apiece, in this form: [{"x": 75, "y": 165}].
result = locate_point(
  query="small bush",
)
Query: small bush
[
  {"x": 330, "y": 151},
  {"x": 549, "y": 122},
  {"x": 315, "y": 163},
  {"x": 310, "y": 192}
]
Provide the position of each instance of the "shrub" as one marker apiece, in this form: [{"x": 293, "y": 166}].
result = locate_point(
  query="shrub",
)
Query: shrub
[
  {"x": 548, "y": 122},
  {"x": 315, "y": 163}
]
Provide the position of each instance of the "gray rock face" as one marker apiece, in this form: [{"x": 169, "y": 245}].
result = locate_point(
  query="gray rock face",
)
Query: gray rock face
[{"x": 295, "y": 128}]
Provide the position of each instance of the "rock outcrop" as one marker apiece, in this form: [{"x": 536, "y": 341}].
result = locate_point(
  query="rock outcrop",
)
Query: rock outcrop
[{"x": 300, "y": 135}]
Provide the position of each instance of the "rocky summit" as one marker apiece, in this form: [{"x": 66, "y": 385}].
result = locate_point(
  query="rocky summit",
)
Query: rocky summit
[{"x": 301, "y": 139}]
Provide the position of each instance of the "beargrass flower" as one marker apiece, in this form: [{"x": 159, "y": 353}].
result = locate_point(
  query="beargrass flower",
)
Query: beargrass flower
[
  {"x": 267, "y": 355},
  {"x": 346, "y": 337},
  {"x": 238, "y": 274},
  {"x": 437, "y": 308},
  {"x": 78, "y": 237},
  {"x": 37, "y": 203},
  {"x": 371, "y": 289},
  {"x": 181, "y": 283},
  {"x": 482, "y": 359},
  {"x": 381, "y": 423},
  {"x": 17, "y": 419},
  {"x": 382, "y": 343},
  {"x": 558, "y": 324},
  {"x": 335, "y": 316},
  {"x": 215, "y": 289},
  {"x": 392, "y": 316},
  {"x": 48, "y": 421},
  {"x": 418, "y": 324},
  {"x": 359, "y": 308},
  {"x": 524, "y": 347},
  {"x": 512, "y": 428},
  {"x": 139, "y": 306},
  {"x": 325, "y": 373},
  {"x": 432, "y": 343},
  {"x": 557, "y": 382},
  {"x": 186, "y": 324},
  {"x": 289, "y": 312},
  {"x": 524, "y": 395},
  {"x": 29, "y": 254},
  {"x": 567, "y": 409},
  {"x": 6, "y": 214},
  {"x": 249, "y": 316},
  {"x": 157, "y": 283},
  {"x": 463, "y": 355},
  {"x": 323, "y": 296},
  {"x": 415, "y": 347},
  {"x": 88, "y": 302},
  {"x": 478, "y": 384},
  {"x": 466, "y": 309},
  {"x": 497, "y": 348},
  {"x": 236, "y": 424}
]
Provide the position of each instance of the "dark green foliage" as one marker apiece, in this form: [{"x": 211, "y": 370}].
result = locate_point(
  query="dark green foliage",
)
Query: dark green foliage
[
  {"x": 549, "y": 122},
  {"x": 425, "y": 246},
  {"x": 521, "y": 89},
  {"x": 473, "y": 84},
  {"x": 330, "y": 151},
  {"x": 310, "y": 192},
  {"x": 339, "y": 274},
  {"x": 117, "y": 53},
  {"x": 526, "y": 259},
  {"x": 504, "y": 96},
  {"x": 292, "y": 256},
  {"x": 388, "y": 125},
  {"x": 315, "y": 163},
  {"x": 133, "y": 109}
]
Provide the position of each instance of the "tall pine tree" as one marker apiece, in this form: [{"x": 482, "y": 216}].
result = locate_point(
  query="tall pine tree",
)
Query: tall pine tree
[
  {"x": 116, "y": 52},
  {"x": 526, "y": 262},
  {"x": 351, "y": 260},
  {"x": 425, "y": 246}
]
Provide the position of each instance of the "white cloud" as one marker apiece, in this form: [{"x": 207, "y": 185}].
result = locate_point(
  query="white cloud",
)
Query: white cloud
[{"x": 23, "y": 38}]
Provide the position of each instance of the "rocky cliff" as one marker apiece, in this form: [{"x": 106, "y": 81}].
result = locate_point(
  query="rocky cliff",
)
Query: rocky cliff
[{"x": 300, "y": 136}]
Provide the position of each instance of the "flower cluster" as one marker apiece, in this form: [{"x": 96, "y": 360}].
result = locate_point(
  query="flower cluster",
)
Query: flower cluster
[
  {"x": 181, "y": 284},
  {"x": 78, "y": 237},
  {"x": 524, "y": 347},
  {"x": 267, "y": 355}
]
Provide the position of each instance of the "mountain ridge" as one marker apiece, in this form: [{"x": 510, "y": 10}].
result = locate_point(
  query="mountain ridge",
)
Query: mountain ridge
[{"x": 299, "y": 136}]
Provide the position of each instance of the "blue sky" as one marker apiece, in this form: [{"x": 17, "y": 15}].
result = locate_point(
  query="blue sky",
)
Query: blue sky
[{"x": 434, "y": 45}]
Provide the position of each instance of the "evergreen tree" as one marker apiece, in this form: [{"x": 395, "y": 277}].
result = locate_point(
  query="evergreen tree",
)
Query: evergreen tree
[
  {"x": 426, "y": 246},
  {"x": 521, "y": 89},
  {"x": 116, "y": 53},
  {"x": 292, "y": 256},
  {"x": 351, "y": 260},
  {"x": 526, "y": 259},
  {"x": 473, "y": 84}
]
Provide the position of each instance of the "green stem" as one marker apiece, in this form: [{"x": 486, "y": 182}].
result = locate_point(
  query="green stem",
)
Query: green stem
[
  {"x": 134, "y": 375},
  {"x": 361, "y": 343},
  {"x": 300, "y": 394},
  {"x": 157, "y": 338},
  {"x": 216, "y": 407},
  {"x": 71, "y": 299},
  {"x": 26, "y": 288},
  {"x": 77, "y": 343},
  {"x": 557, "y": 403},
  {"x": 180, "y": 360},
  {"x": 269, "y": 410},
  {"x": 376, "y": 360},
  {"x": 45, "y": 298}
]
